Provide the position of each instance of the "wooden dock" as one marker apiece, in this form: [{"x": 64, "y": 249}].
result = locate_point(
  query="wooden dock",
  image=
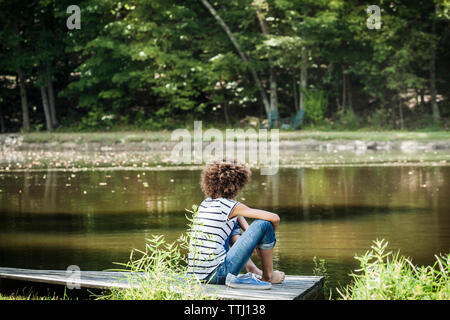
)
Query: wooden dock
[{"x": 294, "y": 287}]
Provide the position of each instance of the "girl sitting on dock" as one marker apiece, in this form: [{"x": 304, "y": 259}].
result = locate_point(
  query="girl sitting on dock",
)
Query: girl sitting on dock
[{"x": 219, "y": 219}]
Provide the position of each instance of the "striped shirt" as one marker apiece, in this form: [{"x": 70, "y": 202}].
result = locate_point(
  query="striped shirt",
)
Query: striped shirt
[{"x": 210, "y": 229}]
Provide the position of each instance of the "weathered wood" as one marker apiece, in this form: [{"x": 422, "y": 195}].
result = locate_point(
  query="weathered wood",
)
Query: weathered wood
[{"x": 294, "y": 287}]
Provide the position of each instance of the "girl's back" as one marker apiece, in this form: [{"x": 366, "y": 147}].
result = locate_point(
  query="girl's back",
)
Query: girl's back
[{"x": 211, "y": 228}]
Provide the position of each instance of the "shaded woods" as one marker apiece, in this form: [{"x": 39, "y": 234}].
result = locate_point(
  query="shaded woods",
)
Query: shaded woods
[{"x": 160, "y": 64}]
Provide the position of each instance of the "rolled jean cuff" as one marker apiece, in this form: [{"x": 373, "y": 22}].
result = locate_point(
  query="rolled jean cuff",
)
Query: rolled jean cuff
[{"x": 266, "y": 246}]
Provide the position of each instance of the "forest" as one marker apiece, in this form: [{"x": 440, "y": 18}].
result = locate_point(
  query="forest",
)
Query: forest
[{"x": 161, "y": 64}]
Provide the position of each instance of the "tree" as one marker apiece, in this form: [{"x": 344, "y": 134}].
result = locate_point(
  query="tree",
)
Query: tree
[
  {"x": 158, "y": 64},
  {"x": 15, "y": 54},
  {"x": 434, "y": 106},
  {"x": 23, "y": 100},
  {"x": 49, "y": 48},
  {"x": 243, "y": 56},
  {"x": 262, "y": 7}
]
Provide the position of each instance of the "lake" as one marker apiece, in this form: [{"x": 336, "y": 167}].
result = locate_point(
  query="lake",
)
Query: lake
[{"x": 50, "y": 219}]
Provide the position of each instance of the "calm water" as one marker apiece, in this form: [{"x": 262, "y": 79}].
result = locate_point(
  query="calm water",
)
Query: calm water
[{"x": 53, "y": 219}]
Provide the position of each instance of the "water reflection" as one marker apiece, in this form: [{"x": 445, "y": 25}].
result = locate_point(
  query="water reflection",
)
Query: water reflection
[{"x": 91, "y": 218}]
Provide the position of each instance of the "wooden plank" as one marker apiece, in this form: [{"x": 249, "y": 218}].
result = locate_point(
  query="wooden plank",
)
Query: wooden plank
[
  {"x": 294, "y": 286},
  {"x": 88, "y": 279}
]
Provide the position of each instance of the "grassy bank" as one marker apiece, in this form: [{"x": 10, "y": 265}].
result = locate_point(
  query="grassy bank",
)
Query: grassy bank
[
  {"x": 30, "y": 296},
  {"x": 161, "y": 136},
  {"x": 164, "y": 269},
  {"x": 384, "y": 275}
]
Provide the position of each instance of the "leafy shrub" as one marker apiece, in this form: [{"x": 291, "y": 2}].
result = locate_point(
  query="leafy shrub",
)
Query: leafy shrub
[
  {"x": 162, "y": 271},
  {"x": 315, "y": 105},
  {"x": 96, "y": 118},
  {"x": 380, "y": 119},
  {"x": 320, "y": 269},
  {"x": 387, "y": 276},
  {"x": 347, "y": 119}
]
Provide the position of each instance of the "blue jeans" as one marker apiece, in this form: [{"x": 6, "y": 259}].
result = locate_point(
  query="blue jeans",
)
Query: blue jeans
[
  {"x": 236, "y": 231},
  {"x": 259, "y": 234}
]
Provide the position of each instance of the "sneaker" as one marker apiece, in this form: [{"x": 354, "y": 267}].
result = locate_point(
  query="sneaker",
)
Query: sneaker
[
  {"x": 256, "y": 275},
  {"x": 246, "y": 281}
]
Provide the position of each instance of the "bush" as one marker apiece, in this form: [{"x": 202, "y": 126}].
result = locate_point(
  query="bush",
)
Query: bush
[
  {"x": 387, "y": 276},
  {"x": 347, "y": 119},
  {"x": 315, "y": 106},
  {"x": 96, "y": 118},
  {"x": 162, "y": 271},
  {"x": 380, "y": 119},
  {"x": 320, "y": 269}
]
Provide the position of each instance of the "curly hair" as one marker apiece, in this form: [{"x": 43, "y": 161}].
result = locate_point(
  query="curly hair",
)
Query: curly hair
[{"x": 224, "y": 179}]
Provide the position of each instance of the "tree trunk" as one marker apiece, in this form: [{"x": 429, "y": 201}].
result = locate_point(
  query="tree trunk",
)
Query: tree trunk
[
  {"x": 23, "y": 102},
  {"x": 294, "y": 91},
  {"x": 48, "y": 119},
  {"x": 241, "y": 54},
  {"x": 273, "y": 116},
  {"x": 336, "y": 85},
  {"x": 2, "y": 123},
  {"x": 349, "y": 92},
  {"x": 225, "y": 112},
  {"x": 303, "y": 78},
  {"x": 22, "y": 89},
  {"x": 400, "y": 112},
  {"x": 344, "y": 89},
  {"x": 393, "y": 105},
  {"x": 272, "y": 77},
  {"x": 338, "y": 105},
  {"x": 434, "y": 106},
  {"x": 273, "y": 98},
  {"x": 51, "y": 100}
]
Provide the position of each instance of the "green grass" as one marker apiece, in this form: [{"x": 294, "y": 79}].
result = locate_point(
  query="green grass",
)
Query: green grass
[
  {"x": 91, "y": 137},
  {"x": 366, "y": 135},
  {"x": 161, "y": 136},
  {"x": 163, "y": 275},
  {"x": 164, "y": 272},
  {"x": 389, "y": 276},
  {"x": 30, "y": 296},
  {"x": 383, "y": 275}
]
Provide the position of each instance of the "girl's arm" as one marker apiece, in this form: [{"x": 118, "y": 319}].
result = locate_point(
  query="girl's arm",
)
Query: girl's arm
[
  {"x": 243, "y": 210},
  {"x": 242, "y": 223}
]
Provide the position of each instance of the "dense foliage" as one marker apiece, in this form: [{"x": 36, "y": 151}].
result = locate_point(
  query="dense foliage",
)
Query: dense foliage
[{"x": 154, "y": 64}]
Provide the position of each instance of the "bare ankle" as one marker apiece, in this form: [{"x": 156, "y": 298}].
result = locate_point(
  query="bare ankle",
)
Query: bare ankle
[
  {"x": 266, "y": 277},
  {"x": 254, "y": 270}
]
